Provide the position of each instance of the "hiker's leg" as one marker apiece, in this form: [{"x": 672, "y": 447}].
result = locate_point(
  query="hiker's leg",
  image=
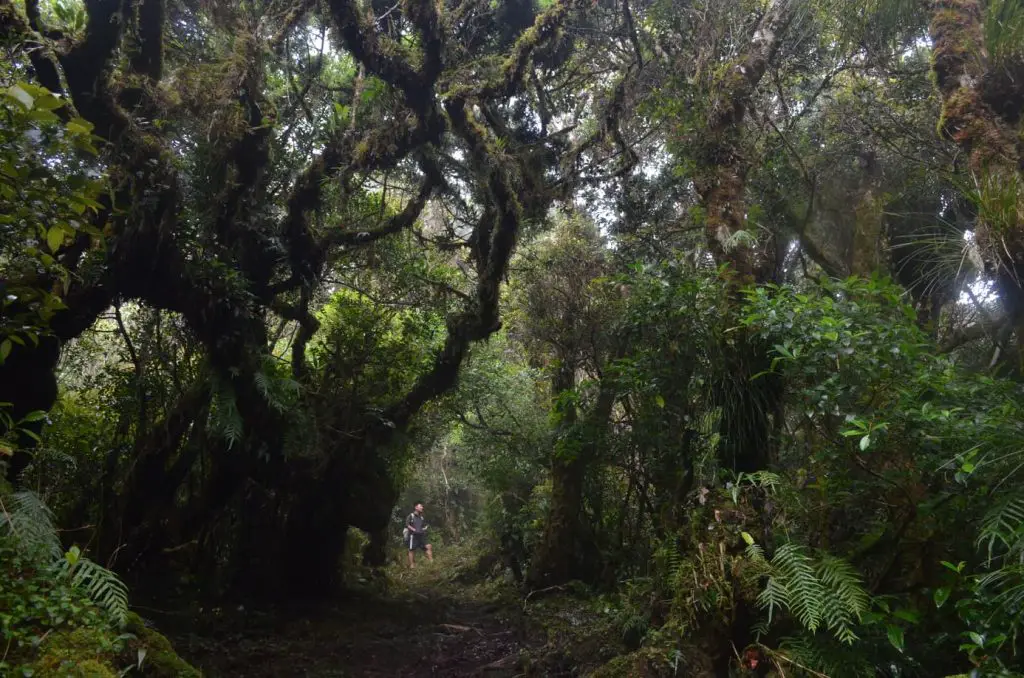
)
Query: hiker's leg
[
  {"x": 430, "y": 553},
  {"x": 412, "y": 559}
]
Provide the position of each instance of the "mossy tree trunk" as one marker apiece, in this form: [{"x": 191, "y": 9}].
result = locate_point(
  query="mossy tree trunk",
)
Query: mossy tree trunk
[
  {"x": 962, "y": 69},
  {"x": 269, "y": 257}
]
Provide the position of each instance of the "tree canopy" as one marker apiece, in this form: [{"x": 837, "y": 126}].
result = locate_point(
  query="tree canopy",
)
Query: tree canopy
[{"x": 714, "y": 306}]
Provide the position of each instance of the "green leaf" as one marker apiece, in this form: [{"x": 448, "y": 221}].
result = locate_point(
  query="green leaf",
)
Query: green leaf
[
  {"x": 747, "y": 538},
  {"x": 941, "y": 595},
  {"x": 21, "y": 96},
  {"x": 865, "y": 442},
  {"x": 48, "y": 102},
  {"x": 42, "y": 115},
  {"x": 55, "y": 238},
  {"x": 895, "y": 634},
  {"x": 5, "y": 349},
  {"x": 79, "y": 126},
  {"x": 660, "y": 401},
  {"x": 977, "y": 639},
  {"x": 908, "y": 615},
  {"x": 36, "y": 415}
]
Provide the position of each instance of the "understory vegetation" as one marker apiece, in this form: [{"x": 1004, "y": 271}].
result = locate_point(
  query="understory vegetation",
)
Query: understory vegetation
[{"x": 696, "y": 325}]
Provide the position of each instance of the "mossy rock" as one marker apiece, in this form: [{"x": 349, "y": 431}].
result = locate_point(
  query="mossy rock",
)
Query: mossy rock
[
  {"x": 160, "y": 661},
  {"x": 81, "y": 653},
  {"x": 94, "y": 653}
]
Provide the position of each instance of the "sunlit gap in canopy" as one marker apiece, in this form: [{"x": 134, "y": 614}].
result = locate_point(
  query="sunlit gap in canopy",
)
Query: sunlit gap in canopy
[{"x": 982, "y": 288}]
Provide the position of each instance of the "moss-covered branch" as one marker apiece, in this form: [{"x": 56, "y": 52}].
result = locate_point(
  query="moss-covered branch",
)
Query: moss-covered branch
[
  {"x": 148, "y": 58},
  {"x": 514, "y": 67},
  {"x": 399, "y": 222},
  {"x": 365, "y": 44},
  {"x": 960, "y": 64},
  {"x": 720, "y": 177},
  {"x": 960, "y": 67}
]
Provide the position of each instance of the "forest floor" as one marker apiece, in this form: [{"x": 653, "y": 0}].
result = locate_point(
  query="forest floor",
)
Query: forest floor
[{"x": 436, "y": 620}]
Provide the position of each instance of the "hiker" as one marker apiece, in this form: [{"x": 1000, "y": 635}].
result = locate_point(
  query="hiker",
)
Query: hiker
[{"x": 416, "y": 535}]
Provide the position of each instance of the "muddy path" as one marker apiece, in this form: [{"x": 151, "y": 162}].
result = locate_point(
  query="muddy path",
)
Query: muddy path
[{"x": 424, "y": 623}]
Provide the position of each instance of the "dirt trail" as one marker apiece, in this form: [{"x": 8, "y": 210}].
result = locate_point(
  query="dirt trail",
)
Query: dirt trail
[{"x": 426, "y": 624}]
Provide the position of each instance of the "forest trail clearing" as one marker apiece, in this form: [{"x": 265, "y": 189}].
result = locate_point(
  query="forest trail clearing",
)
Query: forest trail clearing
[{"x": 425, "y": 624}]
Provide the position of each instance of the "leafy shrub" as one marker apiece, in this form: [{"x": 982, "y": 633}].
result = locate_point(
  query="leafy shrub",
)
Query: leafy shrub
[{"x": 63, "y": 614}]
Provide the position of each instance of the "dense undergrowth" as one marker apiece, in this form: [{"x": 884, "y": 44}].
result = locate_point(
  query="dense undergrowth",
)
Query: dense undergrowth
[
  {"x": 63, "y": 615},
  {"x": 697, "y": 326}
]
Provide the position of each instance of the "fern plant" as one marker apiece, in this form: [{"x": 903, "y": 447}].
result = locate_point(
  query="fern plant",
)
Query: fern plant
[
  {"x": 102, "y": 586},
  {"x": 225, "y": 419},
  {"x": 1002, "y": 535},
  {"x": 29, "y": 525},
  {"x": 29, "y": 522},
  {"x": 820, "y": 592},
  {"x": 1002, "y": 530}
]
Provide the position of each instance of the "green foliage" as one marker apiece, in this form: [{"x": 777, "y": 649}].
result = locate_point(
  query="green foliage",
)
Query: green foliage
[
  {"x": 29, "y": 524},
  {"x": 225, "y": 419},
  {"x": 100, "y": 584},
  {"x": 63, "y": 614},
  {"x": 49, "y": 190},
  {"x": 823, "y": 592},
  {"x": 882, "y": 413},
  {"x": 34, "y": 601},
  {"x": 1004, "y": 30},
  {"x": 29, "y": 528}
]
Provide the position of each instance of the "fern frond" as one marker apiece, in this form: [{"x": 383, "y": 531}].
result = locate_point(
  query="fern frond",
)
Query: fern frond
[
  {"x": 775, "y": 595},
  {"x": 1004, "y": 525},
  {"x": 755, "y": 553},
  {"x": 765, "y": 480},
  {"x": 225, "y": 419},
  {"x": 844, "y": 584},
  {"x": 101, "y": 585},
  {"x": 826, "y": 591},
  {"x": 807, "y": 595},
  {"x": 1006, "y": 585},
  {"x": 30, "y": 522},
  {"x": 262, "y": 382}
]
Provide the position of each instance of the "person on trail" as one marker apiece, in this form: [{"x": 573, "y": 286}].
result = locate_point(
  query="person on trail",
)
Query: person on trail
[{"x": 416, "y": 535}]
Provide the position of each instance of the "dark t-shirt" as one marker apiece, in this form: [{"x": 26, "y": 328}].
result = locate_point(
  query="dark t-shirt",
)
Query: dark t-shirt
[{"x": 415, "y": 523}]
